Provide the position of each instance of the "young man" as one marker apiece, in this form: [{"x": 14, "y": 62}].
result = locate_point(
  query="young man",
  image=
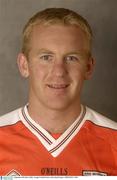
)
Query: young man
[{"x": 54, "y": 134}]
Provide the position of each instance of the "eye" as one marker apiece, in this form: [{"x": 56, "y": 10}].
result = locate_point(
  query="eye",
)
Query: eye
[
  {"x": 46, "y": 57},
  {"x": 71, "y": 58}
]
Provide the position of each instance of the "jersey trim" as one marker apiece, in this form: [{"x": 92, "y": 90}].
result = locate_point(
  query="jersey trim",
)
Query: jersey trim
[
  {"x": 70, "y": 133},
  {"x": 35, "y": 128},
  {"x": 54, "y": 146}
]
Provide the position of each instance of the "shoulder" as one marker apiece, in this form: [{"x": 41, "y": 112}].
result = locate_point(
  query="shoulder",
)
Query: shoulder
[
  {"x": 102, "y": 128},
  {"x": 99, "y": 119},
  {"x": 10, "y": 118}
]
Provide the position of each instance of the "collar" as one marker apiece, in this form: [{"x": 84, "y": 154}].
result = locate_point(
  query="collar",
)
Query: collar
[{"x": 53, "y": 146}]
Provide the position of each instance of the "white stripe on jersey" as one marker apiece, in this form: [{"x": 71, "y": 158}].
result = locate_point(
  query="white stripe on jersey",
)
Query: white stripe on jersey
[{"x": 54, "y": 146}]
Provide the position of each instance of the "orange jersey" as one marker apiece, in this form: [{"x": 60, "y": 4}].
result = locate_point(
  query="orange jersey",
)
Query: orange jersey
[{"x": 87, "y": 147}]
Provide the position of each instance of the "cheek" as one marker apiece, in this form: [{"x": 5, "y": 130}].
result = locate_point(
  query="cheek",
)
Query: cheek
[
  {"x": 77, "y": 72},
  {"x": 38, "y": 74}
]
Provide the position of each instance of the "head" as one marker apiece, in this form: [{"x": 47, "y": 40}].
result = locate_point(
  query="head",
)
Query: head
[
  {"x": 55, "y": 16},
  {"x": 56, "y": 56}
]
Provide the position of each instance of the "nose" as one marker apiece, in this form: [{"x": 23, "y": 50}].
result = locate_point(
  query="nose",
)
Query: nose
[{"x": 59, "y": 69}]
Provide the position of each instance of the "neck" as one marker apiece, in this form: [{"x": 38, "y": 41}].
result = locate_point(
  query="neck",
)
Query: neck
[{"x": 54, "y": 121}]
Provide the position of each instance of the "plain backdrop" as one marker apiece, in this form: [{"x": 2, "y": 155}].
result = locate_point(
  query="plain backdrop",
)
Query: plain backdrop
[{"x": 100, "y": 93}]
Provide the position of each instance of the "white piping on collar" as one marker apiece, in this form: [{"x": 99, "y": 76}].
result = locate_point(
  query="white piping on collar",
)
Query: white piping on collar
[{"x": 53, "y": 146}]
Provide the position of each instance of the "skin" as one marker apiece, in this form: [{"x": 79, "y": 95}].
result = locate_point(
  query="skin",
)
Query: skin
[{"x": 57, "y": 67}]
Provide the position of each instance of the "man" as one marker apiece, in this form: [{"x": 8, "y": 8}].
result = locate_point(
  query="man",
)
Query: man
[{"x": 54, "y": 134}]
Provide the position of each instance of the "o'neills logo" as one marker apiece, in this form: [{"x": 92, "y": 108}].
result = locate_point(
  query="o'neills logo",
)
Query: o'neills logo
[{"x": 54, "y": 171}]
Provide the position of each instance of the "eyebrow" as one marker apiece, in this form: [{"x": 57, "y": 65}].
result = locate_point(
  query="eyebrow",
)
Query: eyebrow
[
  {"x": 79, "y": 53},
  {"x": 45, "y": 51},
  {"x": 76, "y": 53}
]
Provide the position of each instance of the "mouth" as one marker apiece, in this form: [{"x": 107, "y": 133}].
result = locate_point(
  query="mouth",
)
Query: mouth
[{"x": 58, "y": 86}]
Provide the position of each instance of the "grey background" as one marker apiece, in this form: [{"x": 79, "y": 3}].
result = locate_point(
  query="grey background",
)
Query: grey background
[{"x": 100, "y": 92}]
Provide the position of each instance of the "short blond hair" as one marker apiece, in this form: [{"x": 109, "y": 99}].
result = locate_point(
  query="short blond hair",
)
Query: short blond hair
[{"x": 53, "y": 16}]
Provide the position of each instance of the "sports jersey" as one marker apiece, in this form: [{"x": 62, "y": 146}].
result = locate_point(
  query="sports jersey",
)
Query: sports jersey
[{"x": 87, "y": 147}]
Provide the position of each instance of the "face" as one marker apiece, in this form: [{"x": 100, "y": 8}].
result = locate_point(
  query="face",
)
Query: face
[{"x": 57, "y": 66}]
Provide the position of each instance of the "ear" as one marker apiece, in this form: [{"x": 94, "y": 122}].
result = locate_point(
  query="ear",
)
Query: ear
[
  {"x": 89, "y": 68},
  {"x": 23, "y": 65}
]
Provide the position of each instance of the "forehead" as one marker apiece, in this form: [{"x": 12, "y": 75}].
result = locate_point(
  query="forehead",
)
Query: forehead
[
  {"x": 53, "y": 30},
  {"x": 58, "y": 35}
]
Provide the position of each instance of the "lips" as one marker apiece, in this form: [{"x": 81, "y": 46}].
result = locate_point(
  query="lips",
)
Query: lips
[{"x": 58, "y": 86}]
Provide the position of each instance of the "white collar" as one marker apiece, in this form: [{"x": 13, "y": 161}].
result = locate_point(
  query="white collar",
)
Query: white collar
[{"x": 53, "y": 146}]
